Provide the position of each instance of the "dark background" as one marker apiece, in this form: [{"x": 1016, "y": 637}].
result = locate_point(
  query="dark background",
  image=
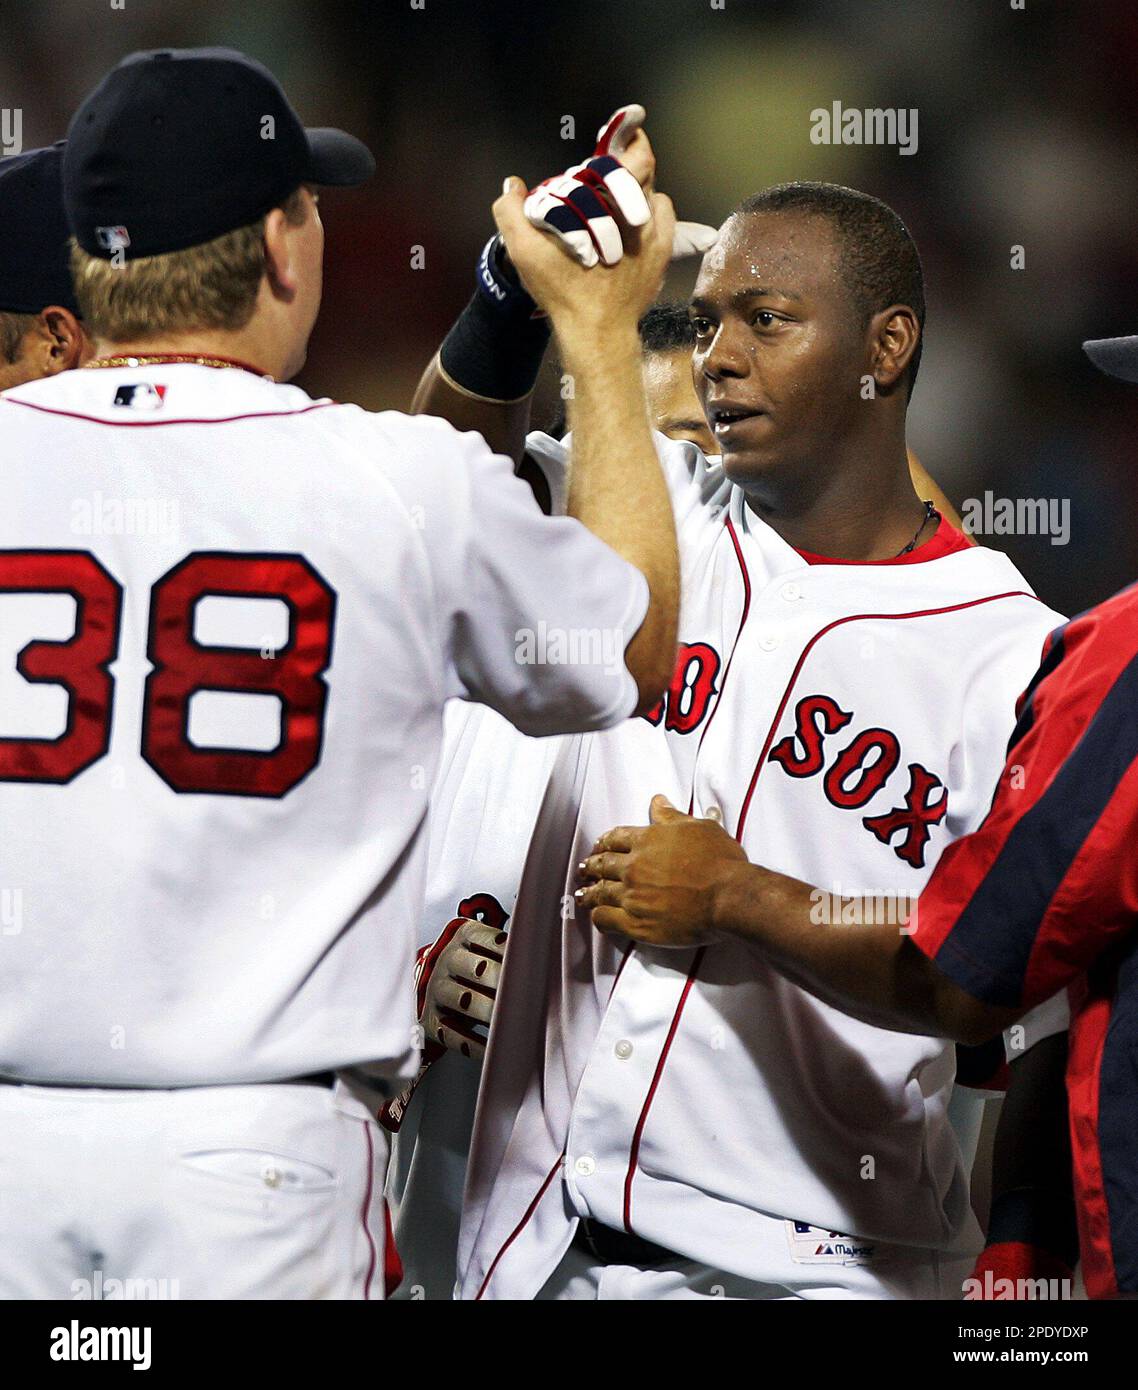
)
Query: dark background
[{"x": 1027, "y": 126}]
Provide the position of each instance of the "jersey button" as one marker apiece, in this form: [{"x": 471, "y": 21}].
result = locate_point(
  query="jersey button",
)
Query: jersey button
[
  {"x": 623, "y": 1049},
  {"x": 585, "y": 1166},
  {"x": 770, "y": 642},
  {"x": 790, "y": 592}
]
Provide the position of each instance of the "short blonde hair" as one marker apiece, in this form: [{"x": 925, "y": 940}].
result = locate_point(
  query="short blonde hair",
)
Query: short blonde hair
[
  {"x": 14, "y": 328},
  {"x": 213, "y": 285}
]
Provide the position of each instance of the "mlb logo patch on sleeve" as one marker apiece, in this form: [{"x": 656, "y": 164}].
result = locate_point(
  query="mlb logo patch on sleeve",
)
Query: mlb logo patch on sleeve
[
  {"x": 144, "y": 396},
  {"x": 814, "y": 1245}
]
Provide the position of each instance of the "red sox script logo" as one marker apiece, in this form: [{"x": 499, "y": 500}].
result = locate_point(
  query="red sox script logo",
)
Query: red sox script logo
[
  {"x": 858, "y": 773},
  {"x": 684, "y": 704}
]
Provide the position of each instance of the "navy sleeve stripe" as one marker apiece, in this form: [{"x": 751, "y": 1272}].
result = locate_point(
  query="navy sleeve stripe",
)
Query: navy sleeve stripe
[
  {"x": 1056, "y": 650},
  {"x": 1038, "y": 853}
]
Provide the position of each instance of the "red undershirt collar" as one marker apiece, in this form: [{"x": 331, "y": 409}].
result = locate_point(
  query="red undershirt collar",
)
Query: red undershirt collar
[{"x": 945, "y": 540}]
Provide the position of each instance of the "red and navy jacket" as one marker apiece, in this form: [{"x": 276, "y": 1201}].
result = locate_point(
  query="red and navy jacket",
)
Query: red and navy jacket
[{"x": 1044, "y": 896}]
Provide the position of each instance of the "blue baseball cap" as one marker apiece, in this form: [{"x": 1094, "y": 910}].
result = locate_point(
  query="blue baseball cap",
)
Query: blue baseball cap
[
  {"x": 177, "y": 146},
  {"x": 34, "y": 253}
]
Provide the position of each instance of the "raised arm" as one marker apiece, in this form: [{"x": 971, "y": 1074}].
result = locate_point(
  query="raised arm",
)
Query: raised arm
[
  {"x": 503, "y": 424},
  {"x": 483, "y": 376},
  {"x": 493, "y": 352},
  {"x": 618, "y": 490}
]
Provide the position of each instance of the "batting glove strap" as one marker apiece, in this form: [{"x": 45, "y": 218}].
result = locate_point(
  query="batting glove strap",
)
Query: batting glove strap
[
  {"x": 391, "y": 1115},
  {"x": 494, "y": 351}
]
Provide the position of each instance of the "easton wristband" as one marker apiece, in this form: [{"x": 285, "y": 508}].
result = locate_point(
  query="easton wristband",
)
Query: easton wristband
[{"x": 494, "y": 350}]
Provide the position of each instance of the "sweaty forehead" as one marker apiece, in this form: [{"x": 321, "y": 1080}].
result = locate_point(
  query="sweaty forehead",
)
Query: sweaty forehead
[{"x": 791, "y": 251}]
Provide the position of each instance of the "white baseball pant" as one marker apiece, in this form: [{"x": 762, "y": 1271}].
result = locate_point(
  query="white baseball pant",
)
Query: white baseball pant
[{"x": 215, "y": 1192}]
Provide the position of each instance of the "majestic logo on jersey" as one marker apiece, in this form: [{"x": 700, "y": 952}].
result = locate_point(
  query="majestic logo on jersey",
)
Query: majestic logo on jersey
[
  {"x": 143, "y": 396},
  {"x": 815, "y": 1245},
  {"x": 684, "y": 705},
  {"x": 859, "y": 771}
]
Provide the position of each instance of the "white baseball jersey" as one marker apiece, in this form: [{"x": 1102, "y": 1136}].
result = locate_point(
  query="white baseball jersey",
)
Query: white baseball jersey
[
  {"x": 484, "y": 804},
  {"x": 483, "y": 807},
  {"x": 846, "y": 721},
  {"x": 230, "y": 617}
]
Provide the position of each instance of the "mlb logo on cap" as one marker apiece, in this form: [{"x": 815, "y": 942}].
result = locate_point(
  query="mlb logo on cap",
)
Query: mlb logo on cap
[
  {"x": 144, "y": 396},
  {"x": 112, "y": 238}
]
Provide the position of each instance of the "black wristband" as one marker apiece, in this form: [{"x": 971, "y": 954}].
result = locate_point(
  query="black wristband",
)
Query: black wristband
[{"x": 495, "y": 348}]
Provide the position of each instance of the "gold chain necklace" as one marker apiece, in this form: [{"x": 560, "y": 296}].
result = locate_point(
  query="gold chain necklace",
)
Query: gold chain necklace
[{"x": 148, "y": 359}]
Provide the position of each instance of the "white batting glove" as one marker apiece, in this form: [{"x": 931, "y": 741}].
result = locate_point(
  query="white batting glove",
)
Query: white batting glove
[
  {"x": 458, "y": 999},
  {"x": 578, "y": 205}
]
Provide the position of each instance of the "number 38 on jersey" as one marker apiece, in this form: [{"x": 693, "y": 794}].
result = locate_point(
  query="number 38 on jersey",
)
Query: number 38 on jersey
[{"x": 76, "y": 669}]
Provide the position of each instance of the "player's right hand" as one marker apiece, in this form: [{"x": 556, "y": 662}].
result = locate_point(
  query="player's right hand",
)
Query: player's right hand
[
  {"x": 458, "y": 997},
  {"x": 659, "y": 883},
  {"x": 565, "y": 288}
]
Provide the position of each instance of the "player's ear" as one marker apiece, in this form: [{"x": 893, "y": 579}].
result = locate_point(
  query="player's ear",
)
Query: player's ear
[
  {"x": 280, "y": 263},
  {"x": 62, "y": 342},
  {"x": 893, "y": 337}
]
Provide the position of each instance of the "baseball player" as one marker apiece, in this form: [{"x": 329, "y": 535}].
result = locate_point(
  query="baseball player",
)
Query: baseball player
[
  {"x": 1041, "y": 896},
  {"x": 1030, "y": 1229},
  {"x": 1026, "y": 1195},
  {"x": 230, "y": 617},
  {"x": 486, "y": 796},
  {"x": 40, "y": 333},
  {"x": 663, "y": 1124}
]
